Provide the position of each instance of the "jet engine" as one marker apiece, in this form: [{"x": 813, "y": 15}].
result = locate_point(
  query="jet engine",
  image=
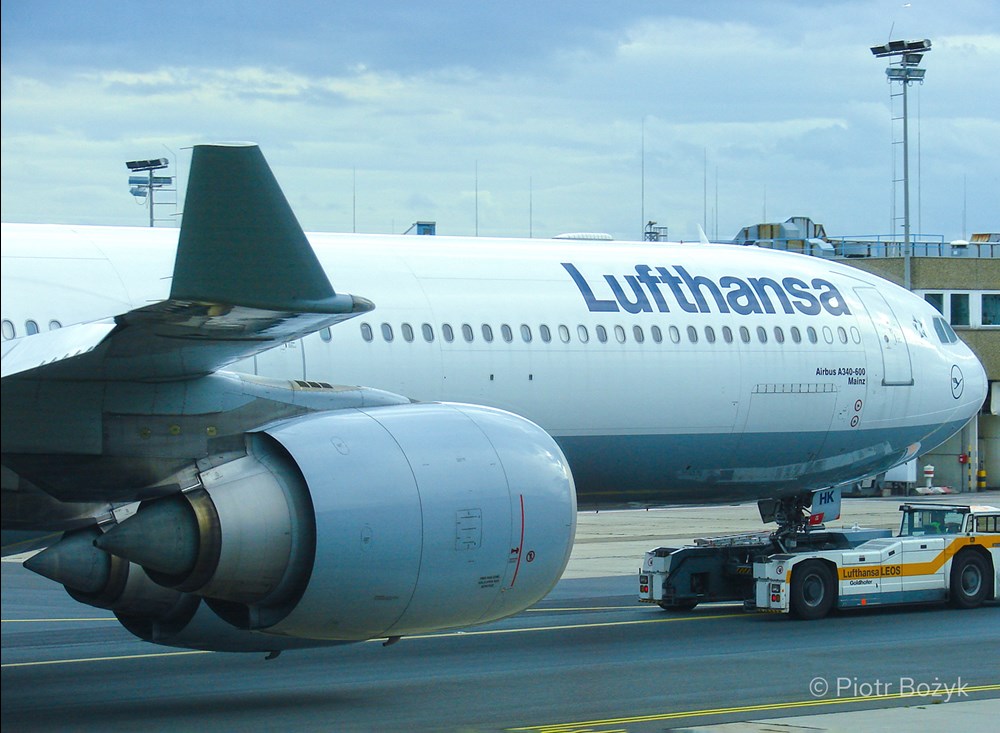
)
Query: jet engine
[{"x": 350, "y": 525}]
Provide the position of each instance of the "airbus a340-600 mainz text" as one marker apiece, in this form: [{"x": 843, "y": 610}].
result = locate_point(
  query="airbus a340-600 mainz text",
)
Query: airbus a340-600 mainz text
[{"x": 176, "y": 420}]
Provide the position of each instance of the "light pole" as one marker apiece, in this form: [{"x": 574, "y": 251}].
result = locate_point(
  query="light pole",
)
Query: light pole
[
  {"x": 143, "y": 185},
  {"x": 905, "y": 71}
]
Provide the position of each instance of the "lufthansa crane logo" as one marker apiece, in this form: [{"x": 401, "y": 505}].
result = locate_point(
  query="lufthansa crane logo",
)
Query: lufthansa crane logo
[{"x": 957, "y": 382}]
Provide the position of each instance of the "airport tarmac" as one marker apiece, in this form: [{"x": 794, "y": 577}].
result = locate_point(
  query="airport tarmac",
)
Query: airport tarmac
[{"x": 586, "y": 658}]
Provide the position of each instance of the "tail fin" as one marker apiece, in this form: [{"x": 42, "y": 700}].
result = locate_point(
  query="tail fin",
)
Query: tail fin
[{"x": 241, "y": 244}]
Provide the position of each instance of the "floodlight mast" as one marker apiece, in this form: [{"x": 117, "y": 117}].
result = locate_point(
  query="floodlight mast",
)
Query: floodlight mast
[
  {"x": 906, "y": 72},
  {"x": 140, "y": 166}
]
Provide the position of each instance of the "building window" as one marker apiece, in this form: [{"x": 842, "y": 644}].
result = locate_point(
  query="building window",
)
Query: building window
[
  {"x": 991, "y": 309},
  {"x": 937, "y": 300},
  {"x": 959, "y": 309}
]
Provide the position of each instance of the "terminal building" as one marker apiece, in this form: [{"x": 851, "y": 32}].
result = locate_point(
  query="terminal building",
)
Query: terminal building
[{"x": 962, "y": 280}]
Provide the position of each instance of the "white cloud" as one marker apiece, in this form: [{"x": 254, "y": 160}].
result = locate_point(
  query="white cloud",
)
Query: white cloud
[{"x": 786, "y": 98}]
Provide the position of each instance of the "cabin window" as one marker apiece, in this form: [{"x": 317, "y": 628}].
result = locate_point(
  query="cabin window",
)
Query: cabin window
[
  {"x": 675, "y": 335},
  {"x": 762, "y": 334},
  {"x": 602, "y": 334},
  {"x": 842, "y": 334},
  {"x": 656, "y": 333},
  {"x": 506, "y": 333},
  {"x": 55, "y": 326},
  {"x": 811, "y": 333},
  {"x": 564, "y": 333},
  {"x": 796, "y": 334},
  {"x": 727, "y": 334},
  {"x": 428, "y": 331},
  {"x": 827, "y": 334},
  {"x": 467, "y": 333},
  {"x": 407, "y": 330},
  {"x": 744, "y": 334},
  {"x": 855, "y": 335},
  {"x": 619, "y": 334},
  {"x": 710, "y": 334},
  {"x": 545, "y": 333},
  {"x": 526, "y": 333},
  {"x": 779, "y": 334},
  {"x": 387, "y": 332},
  {"x": 692, "y": 334},
  {"x": 581, "y": 332},
  {"x": 487, "y": 333},
  {"x": 447, "y": 332},
  {"x": 638, "y": 335},
  {"x": 323, "y": 334},
  {"x": 366, "y": 332},
  {"x": 30, "y": 327}
]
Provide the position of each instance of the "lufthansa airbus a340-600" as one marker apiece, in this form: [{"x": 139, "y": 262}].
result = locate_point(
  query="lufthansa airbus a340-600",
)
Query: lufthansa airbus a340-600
[{"x": 182, "y": 429}]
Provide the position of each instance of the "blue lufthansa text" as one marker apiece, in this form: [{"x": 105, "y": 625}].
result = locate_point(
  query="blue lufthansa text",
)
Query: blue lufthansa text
[{"x": 659, "y": 288}]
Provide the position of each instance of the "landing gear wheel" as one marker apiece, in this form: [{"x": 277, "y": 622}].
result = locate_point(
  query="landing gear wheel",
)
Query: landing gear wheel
[
  {"x": 813, "y": 590},
  {"x": 968, "y": 580}
]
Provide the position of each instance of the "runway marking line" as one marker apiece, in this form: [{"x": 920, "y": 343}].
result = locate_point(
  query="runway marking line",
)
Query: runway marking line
[
  {"x": 55, "y": 620},
  {"x": 590, "y": 726},
  {"x": 560, "y": 627},
  {"x": 104, "y": 659},
  {"x": 443, "y": 635}
]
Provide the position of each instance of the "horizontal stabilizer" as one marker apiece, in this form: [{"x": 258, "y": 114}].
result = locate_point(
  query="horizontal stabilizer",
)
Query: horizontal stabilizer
[{"x": 51, "y": 347}]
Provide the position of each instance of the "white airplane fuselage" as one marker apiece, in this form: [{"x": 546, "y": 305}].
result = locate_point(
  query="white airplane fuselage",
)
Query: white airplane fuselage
[{"x": 666, "y": 372}]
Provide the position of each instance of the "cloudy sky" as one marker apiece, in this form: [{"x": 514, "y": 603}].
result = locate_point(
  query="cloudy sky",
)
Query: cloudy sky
[{"x": 510, "y": 118}]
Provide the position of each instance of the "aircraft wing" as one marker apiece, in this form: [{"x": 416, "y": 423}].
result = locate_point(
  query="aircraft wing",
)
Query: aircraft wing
[{"x": 245, "y": 280}]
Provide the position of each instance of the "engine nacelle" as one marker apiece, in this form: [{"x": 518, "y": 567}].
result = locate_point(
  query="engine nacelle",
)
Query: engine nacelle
[{"x": 358, "y": 524}]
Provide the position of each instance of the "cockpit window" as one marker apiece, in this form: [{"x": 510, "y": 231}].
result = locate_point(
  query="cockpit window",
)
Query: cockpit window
[{"x": 945, "y": 332}]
